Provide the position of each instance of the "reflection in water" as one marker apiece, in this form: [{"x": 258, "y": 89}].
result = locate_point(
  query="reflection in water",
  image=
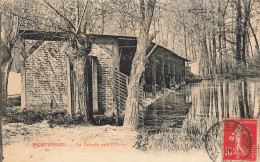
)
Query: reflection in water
[{"x": 204, "y": 104}]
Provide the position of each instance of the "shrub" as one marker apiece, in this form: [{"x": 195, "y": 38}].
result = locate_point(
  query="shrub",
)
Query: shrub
[
  {"x": 103, "y": 120},
  {"x": 55, "y": 117},
  {"x": 24, "y": 116}
]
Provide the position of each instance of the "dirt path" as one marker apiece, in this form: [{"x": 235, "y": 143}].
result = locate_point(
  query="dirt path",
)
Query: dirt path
[{"x": 77, "y": 143}]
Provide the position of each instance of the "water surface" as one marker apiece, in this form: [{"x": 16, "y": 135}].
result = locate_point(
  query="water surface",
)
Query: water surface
[{"x": 204, "y": 104}]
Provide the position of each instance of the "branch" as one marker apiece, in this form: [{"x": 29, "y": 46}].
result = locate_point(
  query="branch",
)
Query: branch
[
  {"x": 33, "y": 21},
  {"x": 142, "y": 10},
  {"x": 152, "y": 37},
  {"x": 225, "y": 9},
  {"x": 154, "y": 47},
  {"x": 67, "y": 20},
  {"x": 80, "y": 22}
]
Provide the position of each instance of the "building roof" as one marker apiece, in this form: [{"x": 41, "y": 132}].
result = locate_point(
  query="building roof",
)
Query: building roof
[{"x": 124, "y": 41}]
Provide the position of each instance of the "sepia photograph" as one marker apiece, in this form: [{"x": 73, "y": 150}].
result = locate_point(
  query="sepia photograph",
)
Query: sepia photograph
[{"x": 129, "y": 80}]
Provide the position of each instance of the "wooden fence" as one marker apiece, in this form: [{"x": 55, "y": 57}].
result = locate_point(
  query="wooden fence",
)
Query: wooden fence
[{"x": 120, "y": 91}]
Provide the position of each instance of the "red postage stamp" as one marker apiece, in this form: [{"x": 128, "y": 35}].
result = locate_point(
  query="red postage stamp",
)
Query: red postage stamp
[{"x": 240, "y": 139}]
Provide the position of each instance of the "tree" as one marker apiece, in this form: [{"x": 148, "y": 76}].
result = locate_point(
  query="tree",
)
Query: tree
[
  {"x": 138, "y": 64},
  {"x": 81, "y": 45},
  {"x": 10, "y": 26},
  {"x": 1, "y": 99},
  {"x": 238, "y": 31},
  {"x": 247, "y": 11}
]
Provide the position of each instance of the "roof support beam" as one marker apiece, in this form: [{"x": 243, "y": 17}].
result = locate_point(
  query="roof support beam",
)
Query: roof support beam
[
  {"x": 106, "y": 49},
  {"x": 154, "y": 47},
  {"x": 34, "y": 47}
]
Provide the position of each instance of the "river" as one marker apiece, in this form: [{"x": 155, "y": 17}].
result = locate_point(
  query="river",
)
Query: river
[{"x": 204, "y": 104}]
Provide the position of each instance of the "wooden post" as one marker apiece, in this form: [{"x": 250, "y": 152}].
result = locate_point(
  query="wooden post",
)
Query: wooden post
[
  {"x": 163, "y": 76},
  {"x": 184, "y": 71},
  {"x": 178, "y": 72},
  {"x": 94, "y": 85},
  {"x": 23, "y": 78},
  {"x": 180, "y": 65},
  {"x": 23, "y": 84},
  {"x": 119, "y": 97},
  {"x": 174, "y": 73},
  {"x": 154, "y": 78},
  {"x": 169, "y": 73},
  {"x": 69, "y": 86}
]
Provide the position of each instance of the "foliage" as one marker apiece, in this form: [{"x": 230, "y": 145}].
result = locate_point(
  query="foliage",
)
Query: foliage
[
  {"x": 24, "y": 116},
  {"x": 14, "y": 101},
  {"x": 170, "y": 140},
  {"x": 142, "y": 141},
  {"x": 54, "y": 117},
  {"x": 102, "y": 120}
]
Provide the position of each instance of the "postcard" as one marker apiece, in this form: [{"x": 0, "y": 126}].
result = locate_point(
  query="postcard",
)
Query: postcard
[{"x": 129, "y": 80}]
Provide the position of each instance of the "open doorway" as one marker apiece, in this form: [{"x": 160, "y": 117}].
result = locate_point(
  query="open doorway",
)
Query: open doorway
[{"x": 14, "y": 90}]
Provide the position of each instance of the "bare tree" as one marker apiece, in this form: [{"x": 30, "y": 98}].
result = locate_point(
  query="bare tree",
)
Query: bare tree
[
  {"x": 78, "y": 56},
  {"x": 10, "y": 27},
  {"x": 138, "y": 64}
]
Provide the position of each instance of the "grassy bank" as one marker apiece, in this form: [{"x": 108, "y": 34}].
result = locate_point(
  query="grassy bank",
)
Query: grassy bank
[{"x": 189, "y": 137}]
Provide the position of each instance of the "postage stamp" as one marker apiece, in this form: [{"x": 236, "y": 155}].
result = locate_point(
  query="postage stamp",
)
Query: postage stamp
[{"x": 240, "y": 139}]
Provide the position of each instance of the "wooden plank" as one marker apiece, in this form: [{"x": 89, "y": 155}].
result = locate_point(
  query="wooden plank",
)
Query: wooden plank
[
  {"x": 69, "y": 86},
  {"x": 34, "y": 47},
  {"x": 118, "y": 80},
  {"x": 121, "y": 94},
  {"x": 94, "y": 85},
  {"x": 123, "y": 76},
  {"x": 154, "y": 78},
  {"x": 120, "y": 84},
  {"x": 121, "y": 97},
  {"x": 121, "y": 87},
  {"x": 163, "y": 76},
  {"x": 120, "y": 77},
  {"x": 154, "y": 47},
  {"x": 106, "y": 49},
  {"x": 23, "y": 84}
]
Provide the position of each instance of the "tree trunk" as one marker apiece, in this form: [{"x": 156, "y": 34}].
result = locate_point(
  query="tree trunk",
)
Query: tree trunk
[
  {"x": 225, "y": 45},
  {"x": 103, "y": 21},
  {"x": 23, "y": 85},
  {"x": 238, "y": 32},
  {"x": 81, "y": 103},
  {"x": 131, "y": 120},
  {"x": 256, "y": 41},
  {"x": 1, "y": 85},
  {"x": 220, "y": 50},
  {"x": 220, "y": 23},
  {"x": 210, "y": 53},
  {"x": 138, "y": 68},
  {"x": 185, "y": 41},
  {"x": 214, "y": 51},
  {"x": 204, "y": 55},
  {"x": 245, "y": 24},
  {"x": 5, "y": 74}
]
